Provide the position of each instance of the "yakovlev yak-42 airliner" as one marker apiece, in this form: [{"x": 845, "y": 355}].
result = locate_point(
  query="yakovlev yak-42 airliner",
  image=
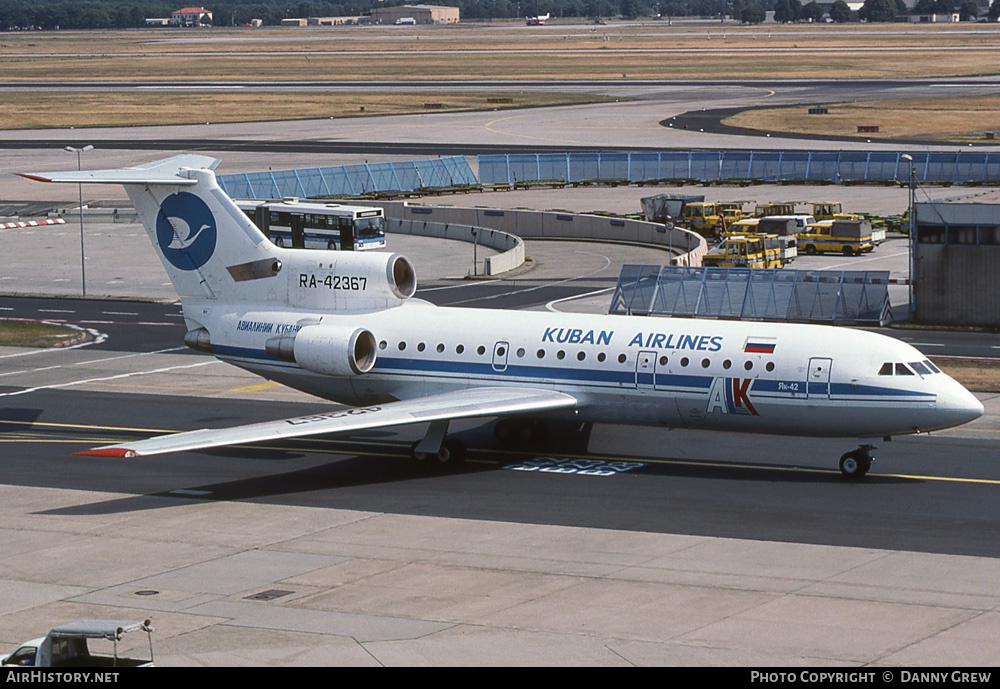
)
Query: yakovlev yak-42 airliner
[{"x": 344, "y": 326}]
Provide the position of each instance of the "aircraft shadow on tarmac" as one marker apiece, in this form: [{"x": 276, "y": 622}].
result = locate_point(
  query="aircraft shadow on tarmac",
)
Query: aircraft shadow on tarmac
[{"x": 380, "y": 464}]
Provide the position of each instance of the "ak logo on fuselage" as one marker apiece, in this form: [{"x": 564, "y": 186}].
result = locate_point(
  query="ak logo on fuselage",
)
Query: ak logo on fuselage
[
  {"x": 185, "y": 231},
  {"x": 731, "y": 396}
]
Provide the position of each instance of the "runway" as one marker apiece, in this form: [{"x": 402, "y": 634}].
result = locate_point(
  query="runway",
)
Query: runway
[{"x": 627, "y": 547}]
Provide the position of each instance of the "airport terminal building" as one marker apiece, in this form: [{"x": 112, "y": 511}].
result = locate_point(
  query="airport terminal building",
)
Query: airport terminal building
[{"x": 956, "y": 264}]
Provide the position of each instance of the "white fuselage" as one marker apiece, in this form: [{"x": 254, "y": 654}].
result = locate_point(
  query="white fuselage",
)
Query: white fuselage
[
  {"x": 740, "y": 376},
  {"x": 344, "y": 326}
]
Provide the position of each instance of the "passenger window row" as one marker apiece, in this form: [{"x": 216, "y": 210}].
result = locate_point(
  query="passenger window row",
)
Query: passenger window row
[{"x": 580, "y": 356}]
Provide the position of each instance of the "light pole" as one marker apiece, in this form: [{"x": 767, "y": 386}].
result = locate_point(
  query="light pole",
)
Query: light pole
[
  {"x": 911, "y": 310},
  {"x": 79, "y": 166}
]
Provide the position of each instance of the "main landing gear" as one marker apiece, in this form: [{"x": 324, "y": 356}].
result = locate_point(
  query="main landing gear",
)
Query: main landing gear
[
  {"x": 856, "y": 463},
  {"x": 436, "y": 447}
]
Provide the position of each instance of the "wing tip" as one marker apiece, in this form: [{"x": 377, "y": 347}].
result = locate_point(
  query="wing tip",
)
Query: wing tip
[
  {"x": 108, "y": 452},
  {"x": 31, "y": 176}
]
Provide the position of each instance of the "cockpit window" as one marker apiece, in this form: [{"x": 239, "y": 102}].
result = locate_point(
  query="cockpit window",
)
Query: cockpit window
[
  {"x": 931, "y": 366},
  {"x": 886, "y": 369},
  {"x": 920, "y": 368},
  {"x": 902, "y": 370}
]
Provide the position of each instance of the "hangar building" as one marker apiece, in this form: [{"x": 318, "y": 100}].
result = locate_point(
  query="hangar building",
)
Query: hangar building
[
  {"x": 420, "y": 14},
  {"x": 956, "y": 258}
]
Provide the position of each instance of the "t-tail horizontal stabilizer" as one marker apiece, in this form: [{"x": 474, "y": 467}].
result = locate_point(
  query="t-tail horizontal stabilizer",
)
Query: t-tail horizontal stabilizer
[{"x": 167, "y": 171}]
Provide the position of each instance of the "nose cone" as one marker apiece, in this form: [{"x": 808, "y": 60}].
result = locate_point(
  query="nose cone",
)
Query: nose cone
[{"x": 956, "y": 405}]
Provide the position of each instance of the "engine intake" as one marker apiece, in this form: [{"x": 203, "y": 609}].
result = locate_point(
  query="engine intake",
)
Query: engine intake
[{"x": 328, "y": 349}]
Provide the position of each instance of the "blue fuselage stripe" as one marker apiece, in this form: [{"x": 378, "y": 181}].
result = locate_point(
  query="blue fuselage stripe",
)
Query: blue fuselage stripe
[{"x": 449, "y": 369}]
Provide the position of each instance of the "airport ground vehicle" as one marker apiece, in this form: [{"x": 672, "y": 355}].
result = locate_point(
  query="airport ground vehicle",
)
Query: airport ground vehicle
[
  {"x": 664, "y": 208},
  {"x": 307, "y": 225},
  {"x": 345, "y": 327},
  {"x": 847, "y": 237},
  {"x": 824, "y": 210},
  {"x": 762, "y": 210},
  {"x": 753, "y": 251},
  {"x": 781, "y": 225},
  {"x": 732, "y": 211},
  {"x": 785, "y": 225},
  {"x": 741, "y": 228},
  {"x": 706, "y": 219},
  {"x": 833, "y": 211},
  {"x": 70, "y": 645}
]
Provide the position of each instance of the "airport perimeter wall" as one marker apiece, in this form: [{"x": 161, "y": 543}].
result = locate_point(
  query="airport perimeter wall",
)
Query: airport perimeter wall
[
  {"x": 510, "y": 246},
  {"x": 686, "y": 248}
]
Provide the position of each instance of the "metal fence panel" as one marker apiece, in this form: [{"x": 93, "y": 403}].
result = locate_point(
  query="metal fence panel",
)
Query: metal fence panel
[
  {"x": 765, "y": 166},
  {"x": 795, "y": 165},
  {"x": 583, "y": 166},
  {"x": 884, "y": 165},
  {"x": 970, "y": 166},
  {"x": 349, "y": 180},
  {"x": 675, "y": 165},
  {"x": 643, "y": 166},
  {"x": 735, "y": 164},
  {"x": 705, "y": 165},
  {"x": 742, "y": 293},
  {"x": 494, "y": 169},
  {"x": 553, "y": 166}
]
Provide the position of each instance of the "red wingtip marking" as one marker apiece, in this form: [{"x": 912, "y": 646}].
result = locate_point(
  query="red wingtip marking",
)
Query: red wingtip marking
[
  {"x": 37, "y": 178},
  {"x": 108, "y": 452}
]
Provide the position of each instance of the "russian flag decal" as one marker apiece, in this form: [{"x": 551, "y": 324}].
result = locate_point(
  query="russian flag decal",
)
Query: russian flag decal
[{"x": 759, "y": 345}]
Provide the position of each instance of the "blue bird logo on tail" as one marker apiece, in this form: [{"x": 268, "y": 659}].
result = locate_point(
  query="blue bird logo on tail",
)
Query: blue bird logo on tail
[{"x": 186, "y": 231}]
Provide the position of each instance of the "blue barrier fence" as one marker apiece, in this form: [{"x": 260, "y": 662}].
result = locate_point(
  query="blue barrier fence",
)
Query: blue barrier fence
[
  {"x": 960, "y": 167},
  {"x": 349, "y": 180}
]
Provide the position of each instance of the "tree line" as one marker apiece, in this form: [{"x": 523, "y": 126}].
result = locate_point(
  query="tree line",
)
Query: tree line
[{"x": 118, "y": 14}]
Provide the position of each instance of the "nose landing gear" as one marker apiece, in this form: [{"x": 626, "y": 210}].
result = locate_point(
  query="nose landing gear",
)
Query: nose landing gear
[{"x": 855, "y": 464}]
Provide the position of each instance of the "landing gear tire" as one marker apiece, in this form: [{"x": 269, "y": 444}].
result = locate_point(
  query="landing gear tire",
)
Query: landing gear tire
[
  {"x": 451, "y": 452},
  {"x": 855, "y": 465},
  {"x": 417, "y": 456}
]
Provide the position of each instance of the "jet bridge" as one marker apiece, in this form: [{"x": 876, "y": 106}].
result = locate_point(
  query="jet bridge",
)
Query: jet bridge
[{"x": 811, "y": 296}]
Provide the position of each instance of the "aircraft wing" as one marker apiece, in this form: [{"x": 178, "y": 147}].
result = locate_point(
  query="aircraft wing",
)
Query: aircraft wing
[{"x": 461, "y": 404}]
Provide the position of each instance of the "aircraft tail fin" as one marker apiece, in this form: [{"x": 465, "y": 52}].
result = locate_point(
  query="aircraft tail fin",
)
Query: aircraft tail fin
[{"x": 209, "y": 248}]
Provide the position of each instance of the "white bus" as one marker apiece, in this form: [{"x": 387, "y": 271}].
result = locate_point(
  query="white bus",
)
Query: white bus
[{"x": 309, "y": 225}]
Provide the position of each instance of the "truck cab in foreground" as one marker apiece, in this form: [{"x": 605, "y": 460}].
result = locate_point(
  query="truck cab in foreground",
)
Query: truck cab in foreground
[{"x": 69, "y": 645}]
